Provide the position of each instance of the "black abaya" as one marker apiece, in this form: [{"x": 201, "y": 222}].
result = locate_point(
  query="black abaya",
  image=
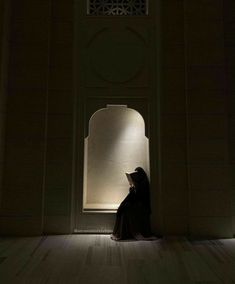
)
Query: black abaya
[{"x": 133, "y": 214}]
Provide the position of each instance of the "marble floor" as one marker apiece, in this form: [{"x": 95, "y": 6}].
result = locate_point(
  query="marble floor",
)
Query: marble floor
[{"x": 97, "y": 259}]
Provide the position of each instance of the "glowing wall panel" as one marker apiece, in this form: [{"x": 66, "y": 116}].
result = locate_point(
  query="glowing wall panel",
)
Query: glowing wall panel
[{"x": 116, "y": 144}]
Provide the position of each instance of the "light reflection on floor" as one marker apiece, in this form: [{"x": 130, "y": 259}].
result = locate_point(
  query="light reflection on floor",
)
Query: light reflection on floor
[{"x": 98, "y": 259}]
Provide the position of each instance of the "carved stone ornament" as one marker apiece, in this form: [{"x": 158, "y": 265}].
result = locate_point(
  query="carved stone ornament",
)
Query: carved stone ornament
[{"x": 117, "y": 7}]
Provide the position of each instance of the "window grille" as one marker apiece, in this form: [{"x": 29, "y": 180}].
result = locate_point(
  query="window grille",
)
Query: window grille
[{"x": 117, "y": 7}]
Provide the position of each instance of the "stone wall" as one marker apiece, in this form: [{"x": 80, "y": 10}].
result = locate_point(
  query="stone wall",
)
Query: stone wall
[
  {"x": 4, "y": 29},
  {"x": 229, "y": 44},
  {"x": 196, "y": 118},
  {"x": 195, "y": 172},
  {"x": 37, "y": 183}
]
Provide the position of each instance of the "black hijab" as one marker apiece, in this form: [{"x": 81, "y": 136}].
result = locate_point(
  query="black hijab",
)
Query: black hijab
[{"x": 142, "y": 188}]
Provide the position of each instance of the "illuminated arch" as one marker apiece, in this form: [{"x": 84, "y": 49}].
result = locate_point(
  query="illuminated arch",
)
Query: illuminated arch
[{"x": 116, "y": 144}]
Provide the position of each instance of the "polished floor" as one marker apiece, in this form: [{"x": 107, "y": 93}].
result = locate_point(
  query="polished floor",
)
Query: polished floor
[{"x": 97, "y": 259}]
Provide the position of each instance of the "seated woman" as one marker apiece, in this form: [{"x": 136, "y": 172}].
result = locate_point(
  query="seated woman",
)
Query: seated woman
[{"x": 133, "y": 214}]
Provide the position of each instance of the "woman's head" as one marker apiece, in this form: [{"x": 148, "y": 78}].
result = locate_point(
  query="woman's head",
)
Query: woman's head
[
  {"x": 142, "y": 174},
  {"x": 143, "y": 188}
]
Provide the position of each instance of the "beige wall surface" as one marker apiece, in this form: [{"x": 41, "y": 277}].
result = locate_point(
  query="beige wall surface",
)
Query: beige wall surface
[
  {"x": 116, "y": 144},
  {"x": 192, "y": 159}
]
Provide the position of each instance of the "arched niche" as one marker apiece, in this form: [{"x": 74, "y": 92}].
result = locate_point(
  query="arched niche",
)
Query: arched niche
[{"x": 116, "y": 144}]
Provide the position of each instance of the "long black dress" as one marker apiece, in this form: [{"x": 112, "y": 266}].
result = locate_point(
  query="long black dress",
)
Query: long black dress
[{"x": 133, "y": 214}]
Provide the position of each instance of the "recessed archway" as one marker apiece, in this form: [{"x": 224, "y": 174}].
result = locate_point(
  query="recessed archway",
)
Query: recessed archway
[{"x": 116, "y": 144}]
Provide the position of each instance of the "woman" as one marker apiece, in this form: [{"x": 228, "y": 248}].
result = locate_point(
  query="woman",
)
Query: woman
[{"x": 133, "y": 214}]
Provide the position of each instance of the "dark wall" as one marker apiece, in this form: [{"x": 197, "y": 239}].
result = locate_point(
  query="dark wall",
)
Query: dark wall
[
  {"x": 4, "y": 28},
  {"x": 229, "y": 43},
  {"x": 173, "y": 120},
  {"x": 207, "y": 118},
  {"x": 59, "y": 159},
  {"x": 39, "y": 117},
  {"x": 196, "y": 117},
  {"x": 21, "y": 209}
]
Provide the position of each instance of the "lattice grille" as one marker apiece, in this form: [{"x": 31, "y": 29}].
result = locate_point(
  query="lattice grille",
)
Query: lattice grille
[{"x": 117, "y": 7}]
